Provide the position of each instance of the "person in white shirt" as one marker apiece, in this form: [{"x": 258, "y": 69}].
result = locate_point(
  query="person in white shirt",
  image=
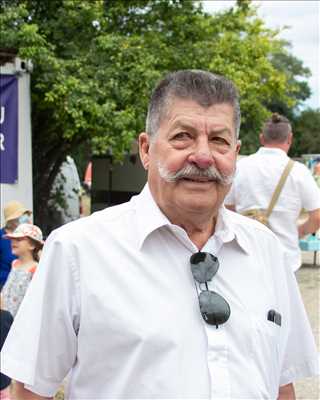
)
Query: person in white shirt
[
  {"x": 255, "y": 181},
  {"x": 170, "y": 295}
]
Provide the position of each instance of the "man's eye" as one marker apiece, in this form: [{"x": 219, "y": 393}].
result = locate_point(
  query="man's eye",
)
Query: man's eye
[
  {"x": 182, "y": 136},
  {"x": 219, "y": 140}
]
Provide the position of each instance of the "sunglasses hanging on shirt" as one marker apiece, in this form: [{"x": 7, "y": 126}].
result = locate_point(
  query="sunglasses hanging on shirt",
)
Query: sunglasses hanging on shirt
[{"x": 214, "y": 308}]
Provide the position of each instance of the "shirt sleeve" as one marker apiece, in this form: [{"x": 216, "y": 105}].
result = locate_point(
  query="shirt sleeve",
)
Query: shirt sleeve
[
  {"x": 300, "y": 358},
  {"x": 309, "y": 190},
  {"x": 41, "y": 346}
]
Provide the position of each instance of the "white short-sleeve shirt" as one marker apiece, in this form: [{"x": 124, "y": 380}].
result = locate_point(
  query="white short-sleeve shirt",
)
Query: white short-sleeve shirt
[
  {"x": 114, "y": 301},
  {"x": 254, "y": 183}
]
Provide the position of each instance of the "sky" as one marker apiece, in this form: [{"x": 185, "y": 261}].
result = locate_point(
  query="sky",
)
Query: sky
[{"x": 303, "y": 19}]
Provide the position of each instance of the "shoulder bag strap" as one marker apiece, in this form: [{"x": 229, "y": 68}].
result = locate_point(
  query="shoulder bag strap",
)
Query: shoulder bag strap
[{"x": 279, "y": 187}]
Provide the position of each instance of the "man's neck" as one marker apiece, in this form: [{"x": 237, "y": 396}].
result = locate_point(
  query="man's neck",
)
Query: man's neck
[
  {"x": 281, "y": 146},
  {"x": 199, "y": 227}
]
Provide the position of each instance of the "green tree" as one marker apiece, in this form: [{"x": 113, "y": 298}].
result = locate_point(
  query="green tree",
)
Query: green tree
[
  {"x": 96, "y": 62},
  {"x": 306, "y": 130},
  {"x": 304, "y": 123},
  {"x": 298, "y": 89}
]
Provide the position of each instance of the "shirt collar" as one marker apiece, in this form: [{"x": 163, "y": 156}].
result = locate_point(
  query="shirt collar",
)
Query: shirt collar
[
  {"x": 227, "y": 230},
  {"x": 149, "y": 215},
  {"x": 272, "y": 150},
  {"x": 150, "y": 218}
]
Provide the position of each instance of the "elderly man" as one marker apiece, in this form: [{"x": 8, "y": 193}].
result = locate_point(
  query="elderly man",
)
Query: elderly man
[
  {"x": 169, "y": 295},
  {"x": 257, "y": 177}
]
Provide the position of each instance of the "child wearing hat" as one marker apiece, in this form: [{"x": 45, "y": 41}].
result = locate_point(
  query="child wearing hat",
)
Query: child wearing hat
[
  {"x": 14, "y": 213},
  {"x": 26, "y": 244}
]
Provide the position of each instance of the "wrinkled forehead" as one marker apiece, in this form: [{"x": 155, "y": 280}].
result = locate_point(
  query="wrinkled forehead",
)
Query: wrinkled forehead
[{"x": 192, "y": 114}]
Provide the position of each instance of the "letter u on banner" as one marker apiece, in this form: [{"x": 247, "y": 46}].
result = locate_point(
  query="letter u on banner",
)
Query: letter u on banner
[{"x": 8, "y": 128}]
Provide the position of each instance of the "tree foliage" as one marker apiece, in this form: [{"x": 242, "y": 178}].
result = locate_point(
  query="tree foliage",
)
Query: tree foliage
[
  {"x": 298, "y": 89},
  {"x": 96, "y": 62},
  {"x": 306, "y": 129}
]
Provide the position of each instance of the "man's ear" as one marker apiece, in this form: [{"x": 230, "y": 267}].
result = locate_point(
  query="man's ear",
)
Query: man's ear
[
  {"x": 144, "y": 145},
  {"x": 290, "y": 138},
  {"x": 238, "y": 146}
]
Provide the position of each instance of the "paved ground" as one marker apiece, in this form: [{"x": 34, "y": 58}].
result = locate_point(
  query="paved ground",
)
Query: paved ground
[{"x": 309, "y": 282}]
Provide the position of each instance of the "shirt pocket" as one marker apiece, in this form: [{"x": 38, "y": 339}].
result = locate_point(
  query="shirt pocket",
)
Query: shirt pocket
[{"x": 266, "y": 351}]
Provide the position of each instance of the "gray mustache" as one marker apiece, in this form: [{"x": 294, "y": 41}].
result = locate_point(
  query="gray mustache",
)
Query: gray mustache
[{"x": 192, "y": 171}]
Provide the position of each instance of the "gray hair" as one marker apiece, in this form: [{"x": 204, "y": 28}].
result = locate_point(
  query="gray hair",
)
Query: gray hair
[
  {"x": 276, "y": 129},
  {"x": 202, "y": 87}
]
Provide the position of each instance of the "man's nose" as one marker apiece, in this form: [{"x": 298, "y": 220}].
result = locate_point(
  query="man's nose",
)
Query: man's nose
[{"x": 202, "y": 155}]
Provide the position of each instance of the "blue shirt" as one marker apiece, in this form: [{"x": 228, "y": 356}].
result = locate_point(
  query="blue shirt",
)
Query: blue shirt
[{"x": 6, "y": 257}]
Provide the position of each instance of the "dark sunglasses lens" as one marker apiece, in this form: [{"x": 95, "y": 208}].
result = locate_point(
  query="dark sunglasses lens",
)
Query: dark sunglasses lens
[
  {"x": 203, "y": 266},
  {"x": 214, "y": 308}
]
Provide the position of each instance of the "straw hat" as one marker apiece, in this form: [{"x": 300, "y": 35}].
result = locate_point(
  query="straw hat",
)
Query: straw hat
[
  {"x": 14, "y": 209},
  {"x": 27, "y": 230}
]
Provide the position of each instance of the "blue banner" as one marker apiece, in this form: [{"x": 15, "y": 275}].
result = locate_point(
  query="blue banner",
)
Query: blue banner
[{"x": 8, "y": 129}]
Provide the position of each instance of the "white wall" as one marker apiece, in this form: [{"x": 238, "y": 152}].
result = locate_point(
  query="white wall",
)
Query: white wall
[{"x": 22, "y": 190}]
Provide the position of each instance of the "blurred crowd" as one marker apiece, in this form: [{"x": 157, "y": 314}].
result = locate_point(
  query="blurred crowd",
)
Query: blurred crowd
[{"x": 20, "y": 248}]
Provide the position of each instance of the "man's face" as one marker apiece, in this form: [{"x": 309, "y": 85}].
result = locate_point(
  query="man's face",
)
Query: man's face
[{"x": 191, "y": 160}]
